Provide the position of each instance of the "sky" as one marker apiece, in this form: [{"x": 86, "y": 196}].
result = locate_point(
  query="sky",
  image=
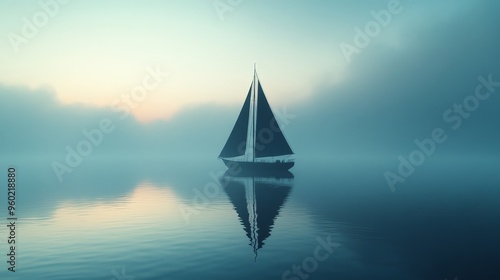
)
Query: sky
[
  {"x": 78, "y": 66},
  {"x": 93, "y": 52}
]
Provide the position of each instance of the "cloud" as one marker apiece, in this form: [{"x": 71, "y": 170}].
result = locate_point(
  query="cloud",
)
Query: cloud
[
  {"x": 393, "y": 95},
  {"x": 36, "y": 124}
]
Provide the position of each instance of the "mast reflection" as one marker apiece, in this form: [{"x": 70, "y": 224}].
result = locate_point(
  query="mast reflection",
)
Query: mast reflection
[{"x": 257, "y": 201}]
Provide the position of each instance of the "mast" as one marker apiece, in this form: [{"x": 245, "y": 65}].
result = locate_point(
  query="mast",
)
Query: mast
[{"x": 254, "y": 130}]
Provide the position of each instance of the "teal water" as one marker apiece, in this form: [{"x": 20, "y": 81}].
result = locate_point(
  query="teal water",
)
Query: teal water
[{"x": 142, "y": 219}]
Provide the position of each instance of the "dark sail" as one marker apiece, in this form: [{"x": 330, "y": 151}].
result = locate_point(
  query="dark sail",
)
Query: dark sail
[
  {"x": 237, "y": 195},
  {"x": 269, "y": 199},
  {"x": 236, "y": 144},
  {"x": 269, "y": 139}
]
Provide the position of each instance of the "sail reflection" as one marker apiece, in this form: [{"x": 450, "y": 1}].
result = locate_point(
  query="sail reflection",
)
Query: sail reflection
[{"x": 257, "y": 201}]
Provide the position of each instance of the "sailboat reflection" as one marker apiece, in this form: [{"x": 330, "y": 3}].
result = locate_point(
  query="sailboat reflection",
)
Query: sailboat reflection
[{"x": 257, "y": 201}]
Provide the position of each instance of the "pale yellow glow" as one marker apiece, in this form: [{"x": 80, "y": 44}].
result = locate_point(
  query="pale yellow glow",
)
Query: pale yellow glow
[
  {"x": 145, "y": 204},
  {"x": 95, "y": 53}
]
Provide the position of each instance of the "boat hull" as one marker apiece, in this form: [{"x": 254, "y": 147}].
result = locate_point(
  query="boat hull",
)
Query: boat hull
[{"x": 256, "y": 168}]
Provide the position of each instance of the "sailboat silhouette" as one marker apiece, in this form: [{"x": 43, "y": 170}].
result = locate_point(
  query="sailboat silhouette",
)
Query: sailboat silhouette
[
  {"x": 256, "y": 142},
  {"x": 257, "y": 201}
]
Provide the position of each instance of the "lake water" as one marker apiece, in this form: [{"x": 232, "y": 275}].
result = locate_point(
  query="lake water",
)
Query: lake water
[{"x": 149, "y": 219}]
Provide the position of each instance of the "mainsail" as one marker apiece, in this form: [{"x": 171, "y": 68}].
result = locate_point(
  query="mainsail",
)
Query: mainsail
[
  {"x": 269, "y": 139},
  {"x": 236, "y": 143}
]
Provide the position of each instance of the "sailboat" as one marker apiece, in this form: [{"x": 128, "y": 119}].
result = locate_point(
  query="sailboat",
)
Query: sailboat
[
  {"x": 256, "y": 143},
  {"x": 257, "y": 202}
]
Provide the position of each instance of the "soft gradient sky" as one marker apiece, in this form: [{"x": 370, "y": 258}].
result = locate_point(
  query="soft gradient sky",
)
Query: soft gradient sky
[
  {"x": 95, "y": 51},
  {"x": 396, "y": 90}
]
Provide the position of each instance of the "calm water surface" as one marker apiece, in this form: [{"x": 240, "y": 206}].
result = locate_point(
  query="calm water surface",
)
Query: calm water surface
[{"x": 331, "y": 220}]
